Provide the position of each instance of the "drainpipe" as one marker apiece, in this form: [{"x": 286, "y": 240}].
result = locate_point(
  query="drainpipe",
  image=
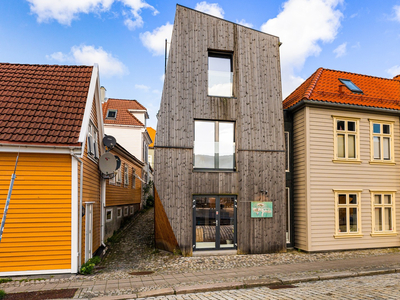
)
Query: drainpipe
[
  {"x": 103, "y": 207},
  {"x": 80, "y": 213}
]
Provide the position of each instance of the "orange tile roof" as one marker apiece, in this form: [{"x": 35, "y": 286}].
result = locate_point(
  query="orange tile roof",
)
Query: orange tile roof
[
  {"x": 42, "y": 104},
  {"x": 124, "y": 117},
  {"x": 152, "y": 133},
  {"x": 324, "y": 84}
]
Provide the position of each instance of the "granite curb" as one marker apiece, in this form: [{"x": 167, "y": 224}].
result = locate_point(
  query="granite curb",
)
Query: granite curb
[{"x": 177, "y": 290}]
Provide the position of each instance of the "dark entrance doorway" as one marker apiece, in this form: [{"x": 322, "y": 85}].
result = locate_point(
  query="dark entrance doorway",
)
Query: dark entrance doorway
[{"x": 214, "y": 222}]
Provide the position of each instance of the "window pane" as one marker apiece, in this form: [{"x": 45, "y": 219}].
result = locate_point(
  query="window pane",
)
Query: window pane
[
  {"x": 342, "y": 199},
  {"x": 342, "y": 220},
  {"x": 387, "y": 199},
  {"x": 351, "y": 126},
  {"x": 378, "y": 219},
  {"x": 340, "y": 125},
  {"x": 386, "y": 129},
  {"x": 340, "y": 144},
  {"x": 378, "y": 199},
  {"x": 377, "y": 147},
  {"x": 352, "y": 199},
  {"x": 352, "y": 146},
  {"x": 376, "y": 128},
  {"x": 204, "y": 133},
  {"x": 388, "y": 218},
  {"x": 226, "y": 146},
  {"x": 353, "y": 219},
  {"x": 386, "y": 148},
  {"x": 220, "y": 76}
]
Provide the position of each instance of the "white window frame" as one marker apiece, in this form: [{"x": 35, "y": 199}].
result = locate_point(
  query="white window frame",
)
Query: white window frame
[
  {"x": 112, "y": 110},
  {"x": 107, "y": 211},
  {"x": 287, "y": 167},
  {"x": 112, "y": 180},
  {"x": 288, "y": 215},
  {"x": 126, "y": 211},
  {"x": 92, "y": 141},
  {"x": 346, "y": 133},
  {"x": 381, "y": 135},
  {"x": 220, "y": 55},
  {"x": 348, "y": 233},
  {"x": 119, "y": 212},
  {"x": 383, "y": 206},
  {"x": 118, "y": 177},
  {"x": 126, "y": 175},
  {"x": 131, "y": 210}
]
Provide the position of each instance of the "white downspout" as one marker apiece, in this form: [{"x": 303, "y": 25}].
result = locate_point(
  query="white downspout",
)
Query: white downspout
[
  {"x": 80, "y": 213},
  {"x": 103, "y": 206}
]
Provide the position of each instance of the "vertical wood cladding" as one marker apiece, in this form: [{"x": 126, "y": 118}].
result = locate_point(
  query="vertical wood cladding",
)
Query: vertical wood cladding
[{"x": 256, "y": 109}]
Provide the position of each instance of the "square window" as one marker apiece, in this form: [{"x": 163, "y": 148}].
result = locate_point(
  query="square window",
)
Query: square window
[
  {"x": 111, "y": 114},
  {"x": 386, "y": 129},
  {"x": 119, "y": 212},
  {"x": 377, "y": 128},
  {"x": 340, "y": 125},
  {"x": 351, "y": 126},
  {"x": 220, "y": 74},
  {"x": 109, "y": 215}
]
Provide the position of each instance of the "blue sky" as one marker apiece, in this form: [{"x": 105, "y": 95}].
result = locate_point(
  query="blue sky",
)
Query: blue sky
[{"x": 126, "y": 37}]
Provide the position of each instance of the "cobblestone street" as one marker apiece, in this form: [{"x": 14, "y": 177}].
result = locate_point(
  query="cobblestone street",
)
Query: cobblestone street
[{"x": 368, "y": 287}]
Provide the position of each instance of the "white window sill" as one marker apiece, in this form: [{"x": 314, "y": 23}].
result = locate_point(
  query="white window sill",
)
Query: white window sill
[
  {"x": 378, "y": 162},
  {"x": 384, "y": 234},
  {"x": 346, "y": 161},
  {"x": 348, "y": 235}
]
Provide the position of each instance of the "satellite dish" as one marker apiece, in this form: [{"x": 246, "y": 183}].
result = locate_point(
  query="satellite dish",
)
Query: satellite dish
[
  {"x": 109, "y": 141},
  {"x": 118, "y": 162},
  {"x": 107, "y": 163}
]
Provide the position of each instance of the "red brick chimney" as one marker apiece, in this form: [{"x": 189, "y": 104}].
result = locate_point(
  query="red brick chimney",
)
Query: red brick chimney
[
  {"x": 397, "y": 77},
  {"x": 341, "y": 88}
]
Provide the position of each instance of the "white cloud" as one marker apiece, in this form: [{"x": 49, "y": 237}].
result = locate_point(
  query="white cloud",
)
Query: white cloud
[
  {"x": 162, "y": 77},
  {"x": 155, "y": 41},
  {"x": 142, "y": 87},
  {"x": 396, "y": 9},
  {"x": 210, "y": 8},
  {"x": 244, "y": 23},
  {"x": 88, "y": 55},
  {"x": 301, "y": 25},
  {"x": 64, "y": 11},
  {"x": 341, "y": 50},
  {"x": 394, "y": 71}
]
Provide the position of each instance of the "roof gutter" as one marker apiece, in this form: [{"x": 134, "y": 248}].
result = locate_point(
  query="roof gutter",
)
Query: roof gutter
[{"x": 306, "y": 102}]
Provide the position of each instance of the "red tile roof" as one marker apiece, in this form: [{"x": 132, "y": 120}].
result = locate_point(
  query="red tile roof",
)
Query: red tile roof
[
  {"x": 152, "y": 133},
  {"x": 324, "y": 84},
  {"x": 42, "y": 104},
  {"x": 124, "y": 117}
]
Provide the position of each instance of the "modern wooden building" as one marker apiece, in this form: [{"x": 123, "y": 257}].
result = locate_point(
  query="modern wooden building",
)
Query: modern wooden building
[
  {"x": 219, "y": 149},
  {"x": 345, "y": 173},
  {"x": 51, "y": 116}
]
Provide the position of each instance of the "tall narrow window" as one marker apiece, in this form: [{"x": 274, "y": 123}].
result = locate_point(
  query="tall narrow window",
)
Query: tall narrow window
[
  {"x": 346, "y": 139},
  {"x": 92, "y": 141},
  {"x": 287, "y": 151},
  {"x": 126, "y": 175},
  {"x": 383, "y": 213},
  {"x": 381, "y": 141},
  {"x": 347, "y": 214},
  {"x": 220, "y": 75},
  {"x": 133, "y": 178},
  {"x": 214, "y": 145}
]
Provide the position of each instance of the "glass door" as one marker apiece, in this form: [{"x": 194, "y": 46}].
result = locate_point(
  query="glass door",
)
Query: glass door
[{"x": 214, "y": 220}]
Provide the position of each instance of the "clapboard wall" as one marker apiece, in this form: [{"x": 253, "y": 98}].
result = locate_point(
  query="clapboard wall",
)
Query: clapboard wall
[{"x": 256, "y": 109}]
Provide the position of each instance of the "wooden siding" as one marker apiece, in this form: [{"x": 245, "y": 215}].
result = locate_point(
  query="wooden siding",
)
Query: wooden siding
[
  {"x": 120, "y": 194},
  {"x": 37, "y": 234},
  {"x": 256, "y": 109},
  {"x": 300, "y": 180},
  {"x": 326, "y": 176}
]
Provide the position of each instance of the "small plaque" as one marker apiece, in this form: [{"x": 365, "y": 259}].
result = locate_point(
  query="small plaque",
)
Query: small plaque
[{"x": 261, "y": 209}]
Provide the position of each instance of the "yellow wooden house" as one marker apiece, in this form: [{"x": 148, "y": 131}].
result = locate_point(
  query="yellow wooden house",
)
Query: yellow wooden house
[{"x": 50, "y": 116}]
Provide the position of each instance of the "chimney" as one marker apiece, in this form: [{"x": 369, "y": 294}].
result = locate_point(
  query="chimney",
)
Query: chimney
[
  {"x": 103, "y": 94},
  {"x": 397, "y": 77},
  {"x": 341, "y": 88}
]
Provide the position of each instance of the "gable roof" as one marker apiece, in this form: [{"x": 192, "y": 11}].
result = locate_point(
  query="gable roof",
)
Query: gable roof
[
  {"x": 323, "y": 86},
  {"x": 152, "y": 134},
  {"x": 42, "y": 104},
  {"x": 124, "y": 117}
]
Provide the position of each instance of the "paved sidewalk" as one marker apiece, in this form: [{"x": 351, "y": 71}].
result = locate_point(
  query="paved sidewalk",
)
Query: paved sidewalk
[{"x": 155, "y": 285}]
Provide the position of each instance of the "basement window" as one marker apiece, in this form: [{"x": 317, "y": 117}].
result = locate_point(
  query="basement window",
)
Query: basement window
[
  {"x": 111, "y": 114},
  {"x": 351, "y": 86}
]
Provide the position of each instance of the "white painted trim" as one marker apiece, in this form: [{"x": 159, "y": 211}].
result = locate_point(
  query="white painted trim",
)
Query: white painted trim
[
  {"x": 74, "y": 215},
  {"x": 120, "y": 125},
  {"x": 103, "y": 213},
  {"x": 88, "y": 107},
  {"x": 39, "y": 149},
  {"x": 36, "y": 272}
]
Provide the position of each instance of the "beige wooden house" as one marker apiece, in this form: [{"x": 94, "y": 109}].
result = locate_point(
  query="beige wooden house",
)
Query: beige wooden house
[{"x": 346, "y": 161}]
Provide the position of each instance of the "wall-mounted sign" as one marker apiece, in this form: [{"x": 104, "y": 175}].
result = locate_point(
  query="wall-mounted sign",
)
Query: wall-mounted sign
[{"x": 261, "y": 209}]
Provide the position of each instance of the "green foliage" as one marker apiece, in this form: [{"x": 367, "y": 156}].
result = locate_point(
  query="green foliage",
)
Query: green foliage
[
  {"x": 88, "y": 267},
  {"x": 4, "y": 280},
  {"x": 2, "y": 294},
  {"x": 149, "y": 201},
  {"x": 147, "y": 187}
]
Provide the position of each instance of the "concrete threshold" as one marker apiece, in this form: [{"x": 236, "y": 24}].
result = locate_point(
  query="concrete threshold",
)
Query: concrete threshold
[{"x": 214, "y": 253}]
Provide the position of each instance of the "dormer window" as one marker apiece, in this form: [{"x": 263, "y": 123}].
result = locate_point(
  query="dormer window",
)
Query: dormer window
[
  {"x": 220, "y": 74},
  {"x": 111, "y": 114},
  {"x": 351, "y": 86}
]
